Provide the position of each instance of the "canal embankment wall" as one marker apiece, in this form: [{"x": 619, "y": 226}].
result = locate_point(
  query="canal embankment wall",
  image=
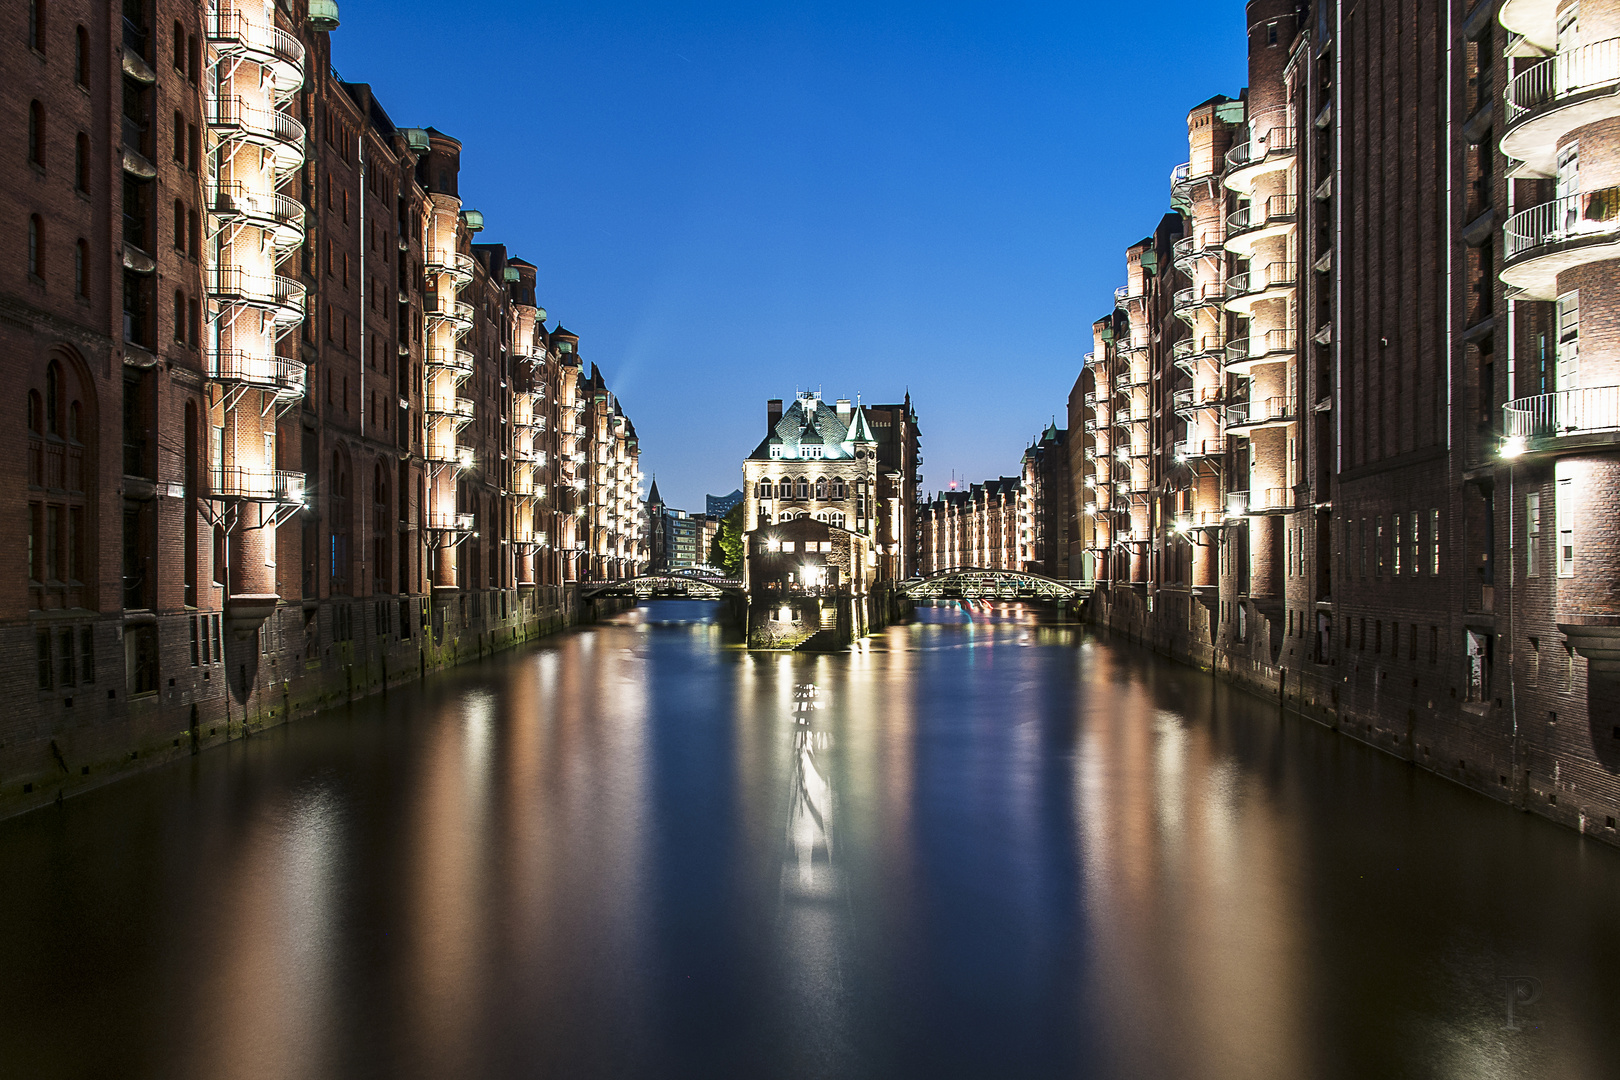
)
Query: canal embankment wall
[
  {"x": 216, "y": 688},
  {"x": 1397, "y": 688}
]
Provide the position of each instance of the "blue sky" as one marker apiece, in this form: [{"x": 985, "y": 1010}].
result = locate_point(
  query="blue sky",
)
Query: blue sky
[{"x": 729, "y": 201}]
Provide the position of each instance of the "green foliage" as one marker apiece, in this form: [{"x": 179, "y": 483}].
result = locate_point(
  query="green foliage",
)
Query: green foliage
[{"x": 727, "y": 549}]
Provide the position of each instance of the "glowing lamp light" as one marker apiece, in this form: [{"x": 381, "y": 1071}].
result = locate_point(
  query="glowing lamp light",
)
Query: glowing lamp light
[{"x": 1512, "y": 447}]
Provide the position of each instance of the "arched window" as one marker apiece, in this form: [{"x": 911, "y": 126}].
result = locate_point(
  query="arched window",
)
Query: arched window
[
  {"x": 821, "y": 487},
  {"x": 838, "y": 491},
  {"x": 36, "y": 134},
  {"x": 53, "y": 398},
  {"x": 81, "y": 162},
  {"x": 762, "y": 490},
  {"x": 36, "y": 244},
  {"x": 81, "y": 276},
  {"x": 804, "y": 487},
  {"x": 36, "y": 25},
  {"x": 179, "y": 47},
  {"x": 81, "y": 55},
  {"x": 36, "y": 413}
]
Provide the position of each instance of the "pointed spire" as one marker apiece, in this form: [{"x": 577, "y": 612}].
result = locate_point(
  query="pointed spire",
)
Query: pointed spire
[
  {"x": 653, "y": 498},
  {"x": 859, "y": 432}
]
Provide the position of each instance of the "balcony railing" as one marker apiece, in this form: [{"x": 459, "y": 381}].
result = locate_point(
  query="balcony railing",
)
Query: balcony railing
[
  {"x": 1185, "y": 353},
  {"x": 1570, "y": 73},
  {"x": 282, "y": 296},
  {"x": 1273, "y": 210},
  {"x": 276, "y": 214},
  {"x": 445, "y": 451},
  {"x": 1189, "y": 449},
  {"x": 1262, "y": 411},
  {"x": 1191, "y": 399},
  {"x": 1563, "y": 414},
  {"x": 1272, "y": 342},
  {"x": 1197, "y": 296},
  {"x": 256, "y": 484},
  {"x": 233, "y": 34},
  {"x": 1275, "y": 275},
  {"x": 448, "y": 522},
  {"x": 272, "y": 129},
  {"x": 279, "y": 375},
  {"x": 458, "y": 408},
  {"x": 1278, "y": 142},
  {"x": 456, "y": 360},
  {"x": 456, "y": 312},
  {"x": 1586, "y": 216},
  {"x": 453, "y": 263}
]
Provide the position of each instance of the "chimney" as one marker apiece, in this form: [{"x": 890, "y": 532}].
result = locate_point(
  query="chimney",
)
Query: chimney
[
  {"x": 773, "y": 412},
  {"x": 844, "y": 409}
]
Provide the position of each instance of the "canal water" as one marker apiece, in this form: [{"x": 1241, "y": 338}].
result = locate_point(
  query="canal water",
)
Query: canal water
[{"x": 979, "y": 845}]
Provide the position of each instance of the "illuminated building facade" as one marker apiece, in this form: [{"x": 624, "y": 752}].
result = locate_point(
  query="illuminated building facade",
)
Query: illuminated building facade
[{"x": 290, "y": 434}]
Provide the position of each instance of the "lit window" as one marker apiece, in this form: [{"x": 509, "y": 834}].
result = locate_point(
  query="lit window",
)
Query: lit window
[{"x": 1565, "y": 511}]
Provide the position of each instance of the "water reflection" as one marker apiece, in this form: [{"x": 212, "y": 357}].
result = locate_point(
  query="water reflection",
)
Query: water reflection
[{"x": 982, "y": 844}]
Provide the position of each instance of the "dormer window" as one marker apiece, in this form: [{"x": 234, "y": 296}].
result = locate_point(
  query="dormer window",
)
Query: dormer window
[{"x": 776, "y": 452}]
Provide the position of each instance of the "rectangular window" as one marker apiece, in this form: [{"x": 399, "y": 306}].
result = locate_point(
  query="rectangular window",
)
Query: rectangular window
[
  {"x": 1411, "y": 643},
  {"x": 42, "y": 654},
  {"x": 1434, "y": 542},
  {"x": 1565, "y": 511},
  {"x": 1398, "y": 542},
  {"x": 87, "y": 654},
  {"x": 65, "y": 655},
  {"x": 1417, "y": 545},
  {"x": 1434, "y": 644},
  {"x": 1378, "y": 545},
  {"x": 1532, "y": 534},
  {"x": 1378, "y": 636},
  {"x": 1361, "y": 529},
  {"x": 195, "y": 651}
]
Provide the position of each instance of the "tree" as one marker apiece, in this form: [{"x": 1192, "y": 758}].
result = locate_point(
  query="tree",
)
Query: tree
[{"x": 727, "y": 550}]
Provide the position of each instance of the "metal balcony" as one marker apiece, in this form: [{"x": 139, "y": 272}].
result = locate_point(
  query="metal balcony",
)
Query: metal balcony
[
  {"x": 233, "y": 34},
  {"x": 455, "y": 265},
  {"x": 1533, "y": 23},
  {"x": 459, "y": 409},
  {"x": 1248, "y": 225},
  {"x": 1189, "y": 249},
  {"x": 1188, "y": 353},
  {"x": 281, "y": 298},
  {"x": 1544, "y": 241},
  {"x": 458, "y": 313},
  {"x": 1565, "y": 419},
  {"x": 1198, "y": 449},
  {"x": 1274, "y": 281},
  {"x": 279, "y": 375},
  {"x": 445, "y": 451},
  {"x": 1245, "y": 416},
  {"x": 1573, "y": 89},
  {"x": 1270, "y": 347},
  {"x": 278, "y": 216},
  {"x": 1188, "y": 401},
  {"x": 1248, "y": 161},
  {"x": 282, "y": 135},
  {"x": 1187, "y": 303},
  {"x": 450, "y": 522},
  {"x": 459, "y": 361},
  {"x": 250, "y": 484}
]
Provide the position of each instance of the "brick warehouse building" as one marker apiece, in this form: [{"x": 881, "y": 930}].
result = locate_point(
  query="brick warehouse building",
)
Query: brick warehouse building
[
  {"x": 1350, "y": 430},
  {"x": 290, "y": 433}
]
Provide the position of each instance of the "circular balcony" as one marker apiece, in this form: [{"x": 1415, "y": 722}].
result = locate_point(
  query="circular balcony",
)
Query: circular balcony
[
  {"x": 1274, "y": 281},
  {"x": 281, "y": 298},
  {"x": 451, "y": 264},
  {"x": 1249, "y": 225},
  {"x": 1534, "y": 20},
  {"x": 1564, "y": 92},
  {"x": 1544, "y": 241},
  {"x": 444, "y": 451},
  {"x": 1563, "y": 420},
  {"x": 1190, "y": 353},
  {"x": 269, "y": 129},
  {"x": 459, "y": 410},
  {"x": 1186, "y": 252},
  {"x": 1189, "y": 401},
  {"x": 440, "y": 521},
  {"x": 457, "y": 361},
  {"x": 1246, "y": 417},
  {"x": 280, "y": 54},
  {"x": 1248, "y": 161},
  {"x": 279, "y": 375},
  {"x": 278, "y": 216},
  {"x": 458, "y": 313},
  {"x": 1187, "y": 304},
  {"x": 529, "y": 455},
  {"x": 1271, "y": 347},
  {"x": 249, "y": 484},
  {"x": 1199, "y": 449}
]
